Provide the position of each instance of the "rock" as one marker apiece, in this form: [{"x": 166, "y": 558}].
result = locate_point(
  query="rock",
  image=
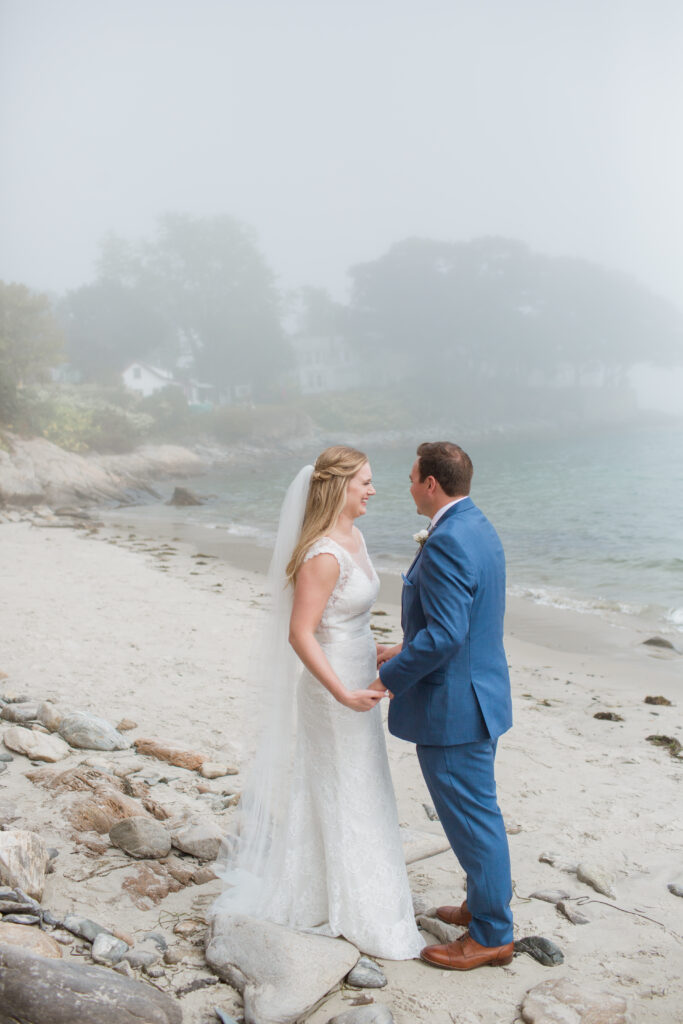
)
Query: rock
[
  {"x": 42, "y": 991},
  {"x": 35, "y": 745},
  {"x": 126, "y": 724},
  {"x": 23, "y": 860},
  {"x": 598, "y": 877},
  {"x": 441, "y": 931},
  {"x": 375, "y": 1014},
  {"x": 151, "y": 883},
  {"x": 49, "y": 716},
  {"x": 19, "y": 713},
  {"x": 84, "y": 928},
  {"x": 676, "y": 888},
  {"x": 512, "y": 828},
  {"x": 216, "y": 770},
  {"x": 608, "y": 716},
  {"x": 659, "y": 641},
  {"x": 142, "y": 957},
  {"x": 173, "y": 956},
  {"x": 168, "y": 752},
  {"x": 658, "y": 700},
  {"x": 201, "y": 840},
  {"x": 550, "y": 895},
  {"x": 182, "y": 870},
  {"x": 561, "y": 1001},
  {"x": 29, "y": 938},
  {"x": 418, "y": 845},
  {"x": 141, "y": 837},
  {"x": 107, "y": 949},
  {"x": 282, "y": 974},
  {"x": 203, "y": 875},
  {"x": 183, "y": 496},
  {"x": 223, "y": 1017},
  {"x": 366, "y": 974},
  {"x": 421, "y": 906},
  {"x": 571, "y": 913},
  {"x": 430, "y": 812},
  {"x": 558, "y": 861},
  {"x": 155, "y": 971},
  {"x": 191, "y": 929},
  {"x": 86, "y": 731},
  {"x": 27, "y": 919},
  {"x": 541, "y": 949},
  {"x": 5, "y": 756}
]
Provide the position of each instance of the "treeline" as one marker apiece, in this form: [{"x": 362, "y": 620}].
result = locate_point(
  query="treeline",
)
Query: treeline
[{"x": 466, "y": 320}]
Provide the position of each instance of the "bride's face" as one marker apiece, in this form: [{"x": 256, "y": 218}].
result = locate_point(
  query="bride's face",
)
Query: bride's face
[{"x": 358, "y": 490}]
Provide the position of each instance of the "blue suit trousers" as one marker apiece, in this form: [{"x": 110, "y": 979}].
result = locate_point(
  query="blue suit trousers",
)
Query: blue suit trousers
[{"x": 462, "y": 785}]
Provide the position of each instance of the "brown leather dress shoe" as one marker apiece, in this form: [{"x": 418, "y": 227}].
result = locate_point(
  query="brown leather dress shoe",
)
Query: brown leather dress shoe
[
  {"x": 455, "y": 915},
  {"x": 464, "y": 954}
]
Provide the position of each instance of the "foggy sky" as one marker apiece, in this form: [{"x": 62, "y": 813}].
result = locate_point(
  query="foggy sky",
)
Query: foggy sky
[{"x": 336, "y": 127}]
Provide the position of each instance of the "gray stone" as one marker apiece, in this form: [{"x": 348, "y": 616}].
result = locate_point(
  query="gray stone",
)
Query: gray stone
[
  {"x": 366, "y": 974},
  {"x": 561, "y": 1001},
  {"x": 142, "y": 957},
  {"x": 201, "y": 840},
  {"x": 23, "y": 860},
  {"x": 19, "y": 713},
  {"x": 375, "y": 1014},
  {"x": 441, "y": 931},
  {"x": 541, "y": 949},
  {"x": 5, "y": 756},
  {"x": 550, "y": 895},
  {"x": 38, "y": 990},
  {"x": 223, "y": 1017},
  {"x": 90, "y": 732},
  {"x": 659, "y": 641},
  {"x": 21, "y": 919},
  {"x": 37, "y": 746},
  {"x": 84, "y": 927},
  {"x": 155, "y": 971},
  {"x": 107, "y": 949},
  {"x": 572, "y": 913},
  {"x": 141, "y": 837},
  {"x": 598, "y": 877},
  {"x": 282, "y": 974},
  {"x": 676, "y": 888},
  {"x": 418, "y": 845}
]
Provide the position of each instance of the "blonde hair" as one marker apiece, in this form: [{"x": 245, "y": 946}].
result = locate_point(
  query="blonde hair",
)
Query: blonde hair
[{"x": 326, "y": 497}]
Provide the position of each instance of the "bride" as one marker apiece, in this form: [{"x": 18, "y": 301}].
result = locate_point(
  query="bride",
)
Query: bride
[{"x": 319, "y": 846}]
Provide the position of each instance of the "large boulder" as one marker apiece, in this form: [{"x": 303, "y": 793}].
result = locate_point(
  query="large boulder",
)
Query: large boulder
[
  {"x": 38, "y": 746},
  {"x": 282, "y": 974},
  {"x": 36, "y": 990},
  {"x": 23, "y": 861},
  {"x": 90, "y": 732}
]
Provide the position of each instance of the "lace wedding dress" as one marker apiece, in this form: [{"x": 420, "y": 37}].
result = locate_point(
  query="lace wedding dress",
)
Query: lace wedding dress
[{"x": 341, "y": 870}]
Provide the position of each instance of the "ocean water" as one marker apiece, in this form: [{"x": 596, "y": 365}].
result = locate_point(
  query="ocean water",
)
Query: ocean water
[{"x": 590, "y": 521}]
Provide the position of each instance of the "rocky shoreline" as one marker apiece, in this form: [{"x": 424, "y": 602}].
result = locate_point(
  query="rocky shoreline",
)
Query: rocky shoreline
[{"x": 126, "y": 726}]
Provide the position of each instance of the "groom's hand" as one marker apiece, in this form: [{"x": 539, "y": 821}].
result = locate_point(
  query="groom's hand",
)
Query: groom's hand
[
  {"x": 384, "y": 653},
  {"x": 379, "y": 685}
]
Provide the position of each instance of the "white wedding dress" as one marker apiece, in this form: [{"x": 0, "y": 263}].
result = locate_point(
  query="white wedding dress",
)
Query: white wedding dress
[{"x": 341, "y": 869}]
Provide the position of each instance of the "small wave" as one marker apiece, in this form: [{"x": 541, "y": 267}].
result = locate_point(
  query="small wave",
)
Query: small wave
[
  {"x": 586, "y": 606},
  {"x": 675, "y": 617}
]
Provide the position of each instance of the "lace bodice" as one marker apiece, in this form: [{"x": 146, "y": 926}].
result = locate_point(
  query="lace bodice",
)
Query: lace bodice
[{"x": 347, "y": 613}]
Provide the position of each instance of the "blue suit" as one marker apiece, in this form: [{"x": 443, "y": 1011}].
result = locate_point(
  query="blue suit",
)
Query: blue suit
[{"x": 452, "y": 698}]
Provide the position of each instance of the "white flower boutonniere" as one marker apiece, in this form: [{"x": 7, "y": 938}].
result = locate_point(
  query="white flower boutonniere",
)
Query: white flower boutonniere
[{"x": 421, "y": 537}]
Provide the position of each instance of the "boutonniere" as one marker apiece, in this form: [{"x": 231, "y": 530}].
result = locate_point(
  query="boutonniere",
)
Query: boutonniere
[{"x": 421, "y": 537}]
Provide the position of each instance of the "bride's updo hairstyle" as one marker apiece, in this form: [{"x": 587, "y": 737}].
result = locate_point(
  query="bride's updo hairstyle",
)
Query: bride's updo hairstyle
[{"x": 326, "y": 498}]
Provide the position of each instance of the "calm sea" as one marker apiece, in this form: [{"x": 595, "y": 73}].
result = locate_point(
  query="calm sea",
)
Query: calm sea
[{"x": 592, "y": 522}]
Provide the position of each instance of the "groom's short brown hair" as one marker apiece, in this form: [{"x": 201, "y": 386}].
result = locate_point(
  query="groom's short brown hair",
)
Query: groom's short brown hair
[{"x": 450, "y": 466}]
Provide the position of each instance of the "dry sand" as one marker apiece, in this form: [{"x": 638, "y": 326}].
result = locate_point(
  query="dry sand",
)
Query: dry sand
[{"x": 122, "y": 625}]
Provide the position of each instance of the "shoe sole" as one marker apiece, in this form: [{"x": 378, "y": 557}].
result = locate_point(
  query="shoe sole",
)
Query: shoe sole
[{"x": 486, "y": 963}]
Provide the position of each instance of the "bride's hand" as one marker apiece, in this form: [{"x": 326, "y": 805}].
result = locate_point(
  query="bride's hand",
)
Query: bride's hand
[
  {"x": 385, "y": 653},
  {"x": 363, "y": 700}
]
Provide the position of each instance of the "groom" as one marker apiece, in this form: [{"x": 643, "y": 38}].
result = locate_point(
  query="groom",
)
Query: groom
[{"x": 451, "y": 693}]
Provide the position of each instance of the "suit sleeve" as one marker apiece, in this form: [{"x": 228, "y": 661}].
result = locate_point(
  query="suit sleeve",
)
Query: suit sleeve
[{"x": 446, "y": 593}]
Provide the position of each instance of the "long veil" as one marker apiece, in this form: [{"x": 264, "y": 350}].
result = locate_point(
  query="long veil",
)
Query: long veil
[{"x": 249, "y": 860}]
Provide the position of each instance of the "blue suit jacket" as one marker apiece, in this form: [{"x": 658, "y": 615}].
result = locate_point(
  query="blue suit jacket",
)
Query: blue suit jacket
[{"x": 450, "y": 682}]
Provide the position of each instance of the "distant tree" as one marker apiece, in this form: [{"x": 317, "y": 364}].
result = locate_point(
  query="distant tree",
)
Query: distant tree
[
  {"x": 492, "y": 309},
  {"x": 206, "y": 277},
  {"x": 107, "y": 326},
  {"x": 30, "y": 342}
]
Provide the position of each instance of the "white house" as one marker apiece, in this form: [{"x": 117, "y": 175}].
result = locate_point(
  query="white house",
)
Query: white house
[
  {"x": 146, "y": 380},
  {"x": 324, "y": 364}
]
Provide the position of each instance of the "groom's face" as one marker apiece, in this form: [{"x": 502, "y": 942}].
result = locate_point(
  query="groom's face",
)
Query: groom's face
[{"x": 420, "y": 491}]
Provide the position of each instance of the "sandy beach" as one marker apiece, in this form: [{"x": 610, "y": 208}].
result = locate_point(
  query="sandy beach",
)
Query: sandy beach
[{"x": 157, "y": 629}]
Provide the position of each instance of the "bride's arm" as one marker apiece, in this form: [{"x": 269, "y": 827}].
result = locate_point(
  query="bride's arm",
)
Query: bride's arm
[{"x": 314, "y": 585}]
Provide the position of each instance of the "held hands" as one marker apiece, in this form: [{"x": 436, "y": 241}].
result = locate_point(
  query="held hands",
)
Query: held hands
[
  {"x": 363, "y": 700},
  {"x": 385, "y": 653}
]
